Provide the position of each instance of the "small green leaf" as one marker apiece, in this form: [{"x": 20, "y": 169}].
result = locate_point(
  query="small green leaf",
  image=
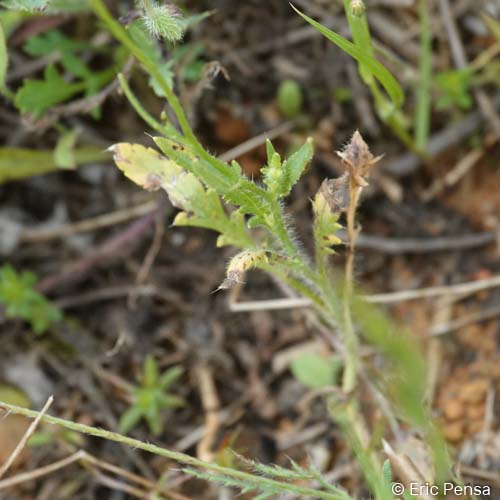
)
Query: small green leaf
[
  {"x": 150, "y": 398},
  {"x": 171, "y": 401},
  {"x": 130, "y": 419},
  {"x": 22, "y": 301},
  {"x": 290, "y": 98},
  {"x": 155, "y": 423},
  {"x": 315, "y": 371},
  {"x": 297, "y": 163},
  {"x": 13, "y": 396},
  {"x": 170, "y": 376},
  {"x": 454, "y": 88},
  {"x": 281, "y": 177},
  {"x": 64, "y": 152},
  {"x": 67, "y": 6},
  {"x": 151, "y": 373},
  {"x": 88, "y": 81},
  {"x": 53, "y": 41},
  {"x": 270, "y": 150},
  {"x": 35, "y": 96},
  {"x": 388, "y": 81},
  {"x": 387, "y": 472}
]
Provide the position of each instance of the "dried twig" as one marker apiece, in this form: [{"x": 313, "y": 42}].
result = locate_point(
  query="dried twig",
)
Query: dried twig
[
  {"x": 22, "y": 443},
  {"x": 37, "y": 235},
  {"x": 210, "y": 403},
  {"x": 440, "y": 142},
  {"x": 464, "y": 289},
  {"x": 256, "y": 141},
  {"x": 41, "y": 471},
  {"x": 443, "y": 328},
  {"x": 397, "y": 246},
  {"x": 405, "y": 470},
  {"x": 114, "y": 245}
]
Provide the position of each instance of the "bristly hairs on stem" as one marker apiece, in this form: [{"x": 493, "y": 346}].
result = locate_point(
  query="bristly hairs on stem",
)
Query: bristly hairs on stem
[
  {"x": 162, "y": 21},
  {"x": 358, "y": 162}
]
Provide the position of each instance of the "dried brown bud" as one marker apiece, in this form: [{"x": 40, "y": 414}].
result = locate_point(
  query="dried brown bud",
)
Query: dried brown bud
[
  {"x": 358, "y": 160},
  {"x": 336, "y": 193}
]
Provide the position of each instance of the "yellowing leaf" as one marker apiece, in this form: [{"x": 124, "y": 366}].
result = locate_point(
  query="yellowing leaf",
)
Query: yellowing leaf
[
  {"x": 202, "y": 207},
  {"x": 144, "y": 166}
]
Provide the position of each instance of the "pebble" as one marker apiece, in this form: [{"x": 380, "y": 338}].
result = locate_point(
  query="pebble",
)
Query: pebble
[
  {"x": 474, "y": 392},
  {"x": 454, "y": 431},
  {"x": 453, "y": 409}
]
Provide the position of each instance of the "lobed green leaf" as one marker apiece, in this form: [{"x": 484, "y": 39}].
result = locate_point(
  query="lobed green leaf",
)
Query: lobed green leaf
[{"x": 201, "y": 207}]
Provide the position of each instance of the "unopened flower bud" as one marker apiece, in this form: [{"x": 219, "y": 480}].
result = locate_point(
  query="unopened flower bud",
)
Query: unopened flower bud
[{"x": 358, "y": 7}]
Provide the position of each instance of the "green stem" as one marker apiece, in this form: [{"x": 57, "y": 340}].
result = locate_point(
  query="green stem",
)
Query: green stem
[
  {"x": 351, "y": 341},
  {"x": 386, "y": 110},
  {"x": 283, "y": 274},
  {"x": 141, "y": 111},
  {"x": 173, "y": 455},
  {"x": 351, "y": 421},
  {"x": 121, "y": 35},
  {"x": 31, "y": 162},
  {"x": 422, "y": 118}
]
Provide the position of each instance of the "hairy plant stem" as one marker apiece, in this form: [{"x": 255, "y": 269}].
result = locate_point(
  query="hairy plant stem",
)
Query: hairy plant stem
[
  {"x": 386, "y": 110},
  {"x": 351, "y": 341},
  {"x": 352, "y": 423},
  {"x": 122, "y": 36},
  {"x": 181, "y": 458},
  {"x": 313, "y": 283},
  {"x": 283, "y": 273}
]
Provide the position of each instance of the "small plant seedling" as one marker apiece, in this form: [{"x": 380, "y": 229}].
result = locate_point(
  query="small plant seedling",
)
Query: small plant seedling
[
  {"x": 22, "y": 301},
  {"x": 454, "y": 89},
  {"x": 151, "y": 397}
]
